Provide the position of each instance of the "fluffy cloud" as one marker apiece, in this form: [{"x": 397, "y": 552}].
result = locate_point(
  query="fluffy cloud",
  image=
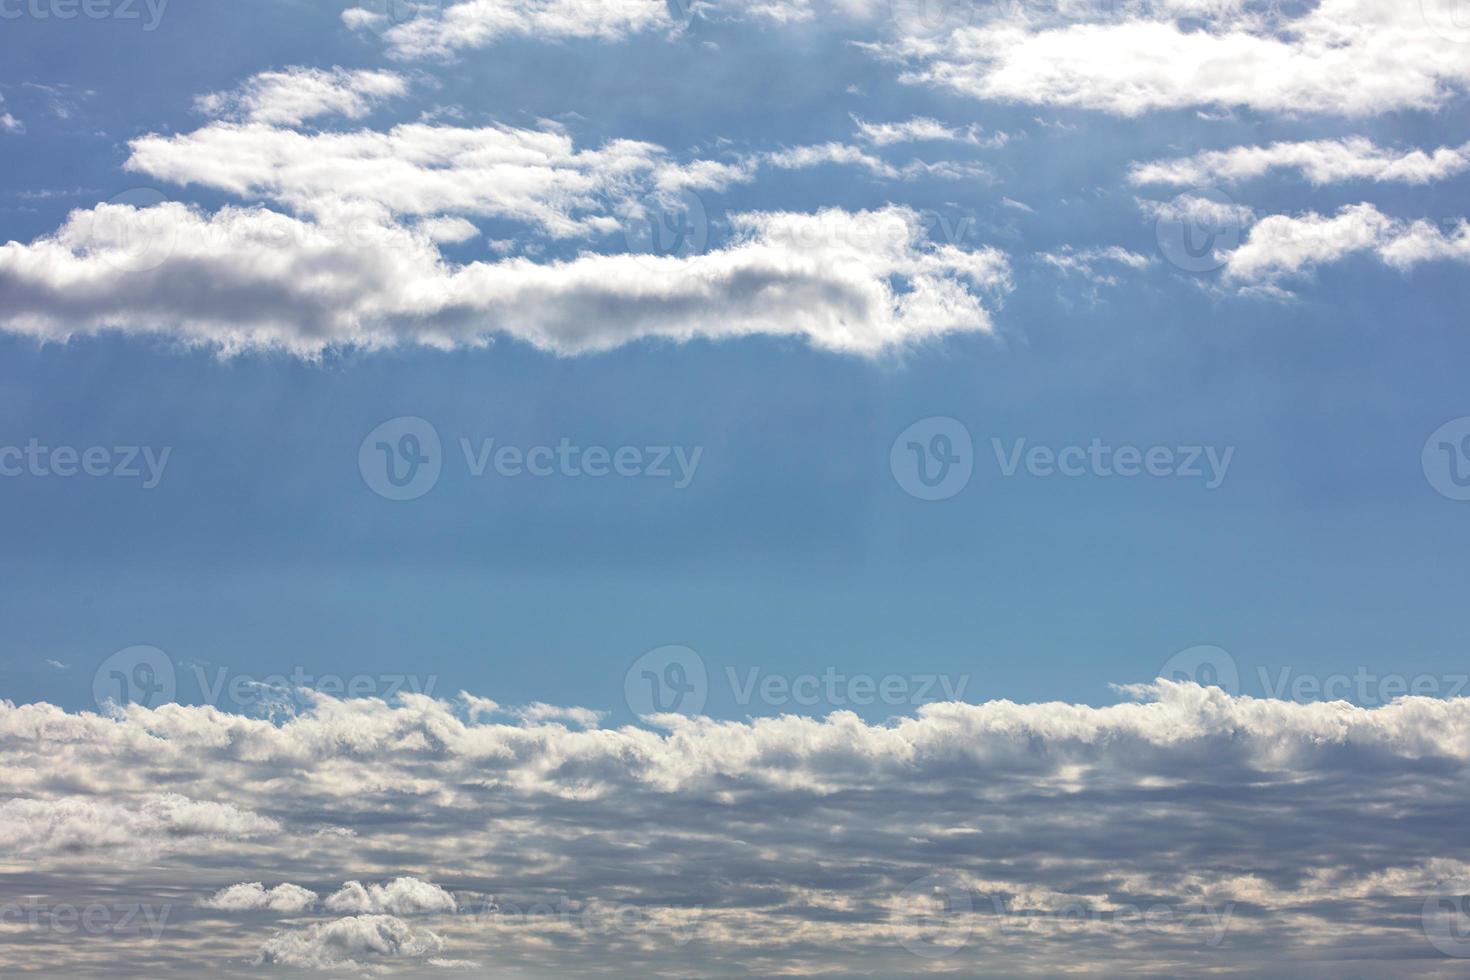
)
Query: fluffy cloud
[
  {"x": 1282, "y": 246},
  {"x": 296, "y": 94},
  {"x": 785, "y": 841},
  {"x": 254, "y": 896},
  {"x": 344, "y": 943},
  {"x": 1346, "y": 57},
  {"x": 529, "y": 176},
  {"x": 861, "y": 282},
  {"x": 1320, "y": 161},
  {"x": 401, "y": 896}
]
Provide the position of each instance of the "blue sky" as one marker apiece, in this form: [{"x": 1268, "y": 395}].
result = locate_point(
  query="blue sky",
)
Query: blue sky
[{"x": 252, "y": 235}]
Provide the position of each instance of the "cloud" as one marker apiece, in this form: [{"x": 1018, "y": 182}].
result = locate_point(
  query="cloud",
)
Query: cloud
[
  {"x": 1089, "y": 262},
  {"x": 401, "y": 896},
  {"x": 296, "y": 94},
  {"x": 798, "y": 841},
  {"x": 1319, "y": 161},
  {"x": 1199, "y": 209},
  {"x": 924, "y": 129},
  {"x": 1281, "y": 246},
  {"x": 860, "y": 282},
  {"x": 345, "y": 943},
  {"x": 254, "y": 896},
  {"x": 1342, "y": 57},
  {"x": 530, "y": 176},
  {"x": 77, "y": 824},
  {"x": 439, "y": 30}
]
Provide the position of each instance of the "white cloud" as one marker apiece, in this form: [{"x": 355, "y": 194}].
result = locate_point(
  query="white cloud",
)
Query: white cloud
[
  {"x": 439, "y": 30},
  {"x": 1281, "y": 246},
  {"x": 863, "y": 282},
  {"x": 292, "y": 96},
  {"x": 922, "y": 129},
  {"x": 401, "y": 896},
  {"x": 346, "y": 943},
  {"x": 1345, "y": 57},
  {"x": 804, "y": 157},
  {"x": 789, "y": 839},
  {"x": 530, "y": 176},
  {"x": 254, "y": 896},
  {"x": 1320, "y": 161},
  {"x": 1199, "y": 209},
  {"x": 75, "y": 824},
  {"x": 1089, "y": 263}
]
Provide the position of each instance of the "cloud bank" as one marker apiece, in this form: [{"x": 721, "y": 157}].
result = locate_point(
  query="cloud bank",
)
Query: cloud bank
[{"x": 1176, "y": 832}]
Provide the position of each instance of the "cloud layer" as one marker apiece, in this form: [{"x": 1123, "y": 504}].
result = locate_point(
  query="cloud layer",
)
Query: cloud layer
[{"x": 1123, "y": 838}]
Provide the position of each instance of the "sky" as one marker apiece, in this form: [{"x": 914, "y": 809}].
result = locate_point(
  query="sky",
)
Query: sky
[{"x": 626, "y": 487}]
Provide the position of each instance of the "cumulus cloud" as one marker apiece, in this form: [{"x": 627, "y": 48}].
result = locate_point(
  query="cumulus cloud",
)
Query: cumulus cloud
[
  {"x": 354, "y": 942},
  {"x": 297, "y": 94},
  {"x": 401, "y": 896},
  {"x": 1345, "y": 57},
  {"x": 788, "y": 841},
  {"x": 1319, "y": 161},
  {"x": 254, "y": 896},
  {"x": 1282, "y": 246},
  {"x": 861, "y": 282}
]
